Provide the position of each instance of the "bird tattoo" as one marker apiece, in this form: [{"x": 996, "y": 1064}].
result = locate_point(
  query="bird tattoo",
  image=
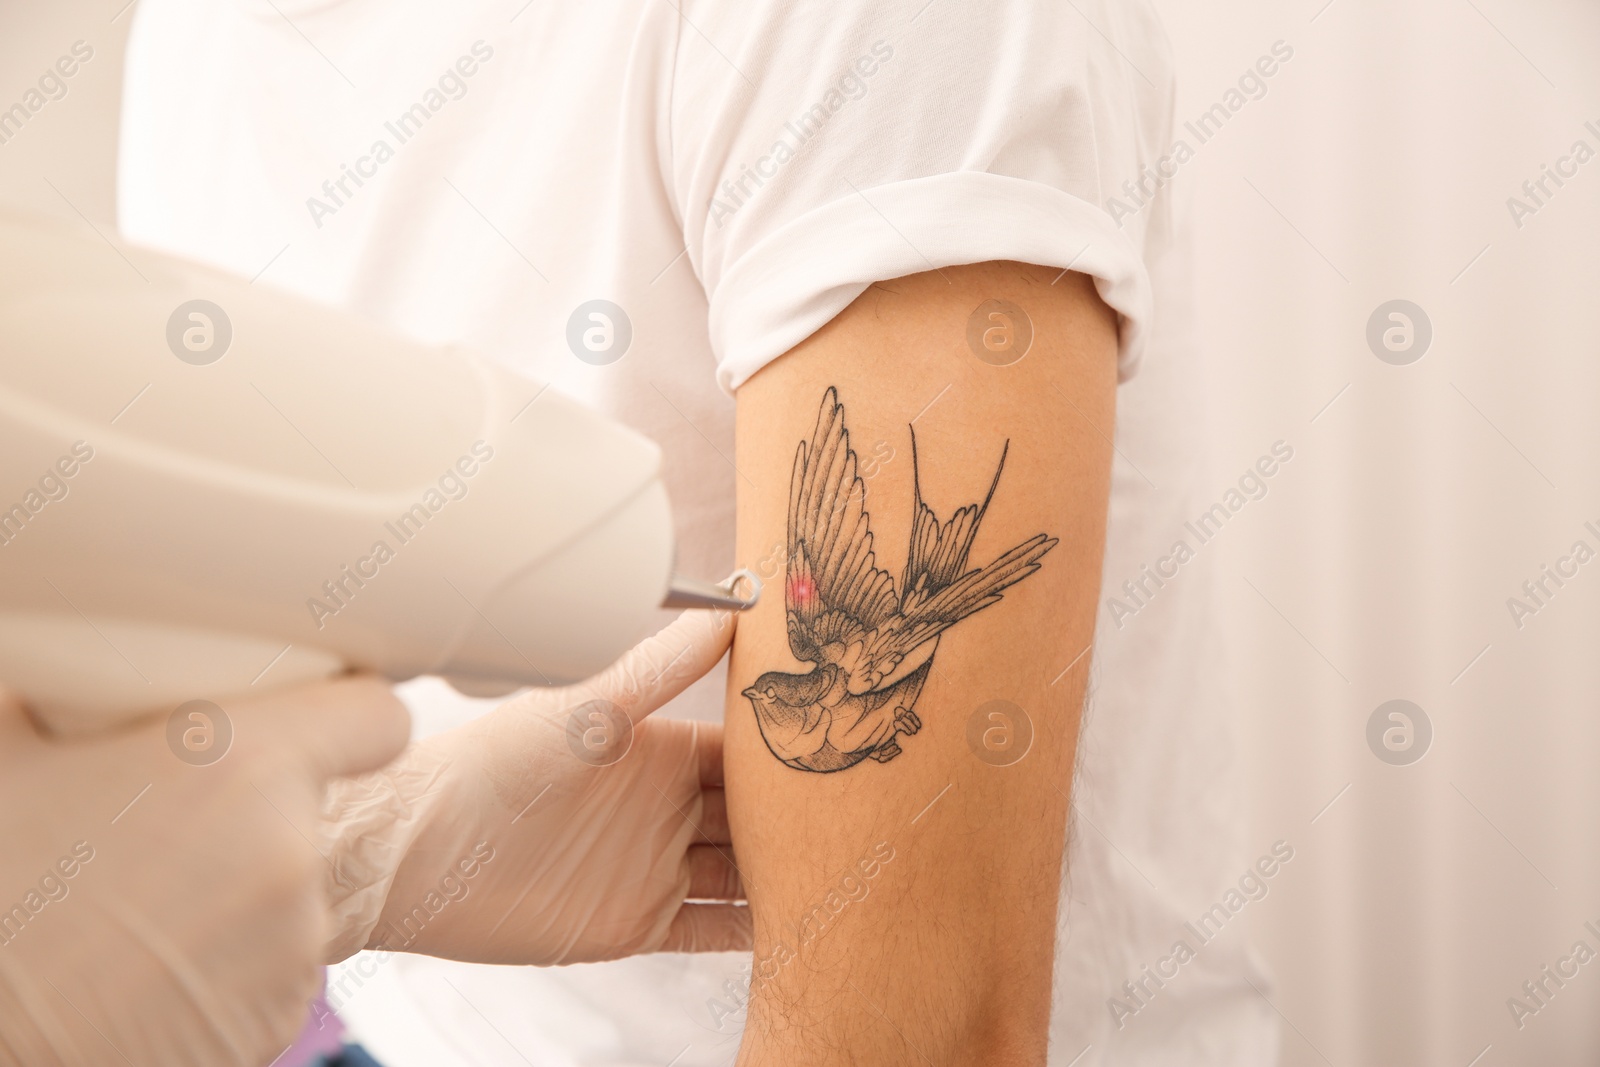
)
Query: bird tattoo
[{"x": 870, "y": 646}]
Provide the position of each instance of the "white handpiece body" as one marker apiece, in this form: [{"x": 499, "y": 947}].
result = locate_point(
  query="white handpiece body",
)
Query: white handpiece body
[{"x": 204, "y": 500}]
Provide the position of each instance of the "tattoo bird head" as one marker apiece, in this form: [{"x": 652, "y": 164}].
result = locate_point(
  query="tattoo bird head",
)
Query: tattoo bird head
[
  {"x": 763, "y": 696},
  {"x": 775, "y": 689}
]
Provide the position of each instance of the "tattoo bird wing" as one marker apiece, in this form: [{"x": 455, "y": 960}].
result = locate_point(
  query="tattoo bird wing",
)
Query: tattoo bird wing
[
  {"x": 923, "y": 619},
  {"x": 835, "y": 594},
  {"x": 938, "y": 590}
]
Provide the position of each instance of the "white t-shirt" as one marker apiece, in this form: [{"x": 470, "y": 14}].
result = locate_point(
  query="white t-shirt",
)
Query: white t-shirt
[{"x": 731, "y": 174}]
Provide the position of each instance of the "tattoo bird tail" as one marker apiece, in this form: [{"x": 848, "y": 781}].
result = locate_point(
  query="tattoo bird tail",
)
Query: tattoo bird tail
[
  {"x": 978, "y": 589},
  {"x": 938, "y": 554},
  {"x": 937, "y": 589}
]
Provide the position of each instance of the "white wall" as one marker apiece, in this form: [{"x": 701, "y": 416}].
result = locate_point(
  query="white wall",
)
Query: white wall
[{"x": 1376, "y": 167}]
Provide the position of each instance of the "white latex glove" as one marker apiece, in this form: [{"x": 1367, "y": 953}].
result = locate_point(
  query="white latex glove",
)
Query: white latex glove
[
  {"x": 507, "y": 840},
  {"x": 172, "y": 913}
]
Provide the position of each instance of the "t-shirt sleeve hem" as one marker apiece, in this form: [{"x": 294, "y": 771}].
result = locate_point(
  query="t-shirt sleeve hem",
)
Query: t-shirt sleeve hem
[{"x": 798, "y": 277}]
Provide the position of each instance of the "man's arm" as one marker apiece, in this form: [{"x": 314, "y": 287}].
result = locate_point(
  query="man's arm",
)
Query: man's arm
[{"x": 903, "y": 708}]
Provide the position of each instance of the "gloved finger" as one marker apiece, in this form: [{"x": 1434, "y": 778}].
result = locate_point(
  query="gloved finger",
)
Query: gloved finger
[
  {"x": 712, "y": 874},
  {"x": 708, "y": 748},
  {"x": 712, "y": 828},
  {"x": 346, "y": 726},
  {"x": 662, "y": 666},
  {"x": 710, "y": 928}
]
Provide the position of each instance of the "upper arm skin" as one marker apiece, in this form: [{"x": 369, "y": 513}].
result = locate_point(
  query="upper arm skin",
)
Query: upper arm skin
[{"x": 905, "y": 909}]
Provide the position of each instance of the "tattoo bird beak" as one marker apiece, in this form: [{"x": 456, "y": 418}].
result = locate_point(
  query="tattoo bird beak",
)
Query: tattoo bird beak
[{"x": 751, "y": 693}]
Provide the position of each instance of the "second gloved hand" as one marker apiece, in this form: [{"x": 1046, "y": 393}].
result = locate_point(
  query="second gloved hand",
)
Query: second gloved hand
[{"x": 566, "y": 826}]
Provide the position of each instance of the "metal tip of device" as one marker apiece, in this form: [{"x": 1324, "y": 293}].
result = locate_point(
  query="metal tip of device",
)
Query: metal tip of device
[{"x": 693, "y": 593}]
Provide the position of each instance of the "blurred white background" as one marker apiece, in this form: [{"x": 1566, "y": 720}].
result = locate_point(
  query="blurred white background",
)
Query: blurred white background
[
  {"x": 1421, "y": 497},
  {"x": 1377, "y": 166}
]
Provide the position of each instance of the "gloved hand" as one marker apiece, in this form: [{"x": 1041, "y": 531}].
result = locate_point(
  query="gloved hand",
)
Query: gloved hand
[
  {"x": 542, "y": 833},
  {"x": 157, "y": 912}
]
